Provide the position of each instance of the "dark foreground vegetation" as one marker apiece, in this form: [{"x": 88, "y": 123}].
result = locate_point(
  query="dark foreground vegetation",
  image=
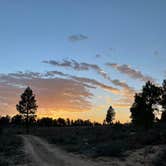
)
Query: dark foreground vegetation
[
  {"x": 91, "y": 141},
  {"x": 103, "y": 140},
  {"x": 11, "y": 148}
]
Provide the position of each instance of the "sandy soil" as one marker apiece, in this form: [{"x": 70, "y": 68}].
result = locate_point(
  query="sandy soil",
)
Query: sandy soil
[
  {"x": 40, "y": 153},
  {"x": 43, "y": 154}
]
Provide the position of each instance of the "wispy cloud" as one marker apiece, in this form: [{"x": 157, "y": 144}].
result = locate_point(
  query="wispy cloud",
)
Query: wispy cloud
[
  {"x": 156, "y": 53},
  {"x": 77, "y": 37},
  {"x": 126, "y": 94},
  {"x": 82, "y": 66},
  {"x": 126, "y": 91},
  {"x": 97, "y": 83},
  {"x": 56, "y": 91},
  {"x": 71, "y": 93},
  {"x": 86, "y": 81},
  {"x": 133, "y": 73},
  {"x": 98, "y": 56},
  {"x": 112, "y": 49},
  {"x": 78, "y": 66},
  {"x": 52, "y": 93}
]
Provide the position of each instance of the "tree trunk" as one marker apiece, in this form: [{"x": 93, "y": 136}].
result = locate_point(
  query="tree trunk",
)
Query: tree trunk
[{"x": 27, "y": 123}]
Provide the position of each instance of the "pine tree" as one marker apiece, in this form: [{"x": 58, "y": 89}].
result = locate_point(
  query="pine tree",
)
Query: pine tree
[
  {"x": 141, "y": 114},
  {"x": 142, "y": 110},
  {"x": 163, "y": 102},
  {"x": 110, "y": 115},
  {"x": 27, "y": 106}
]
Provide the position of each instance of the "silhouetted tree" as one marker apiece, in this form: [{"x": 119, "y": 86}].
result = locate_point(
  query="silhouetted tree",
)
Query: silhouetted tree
[
  {"x": 110, "y": 115},
  {"x": 45, "y": 122},
  {"x": 61, "y": 122},
  {"x": 104, "y": 122},
  {"x": 140, "y": 113},
  {"x": 32, "y": 120},
  {"x": 87, "y": 123},
  {"x": 96, "y": 124},
  {"x": 54, "y": 123},
  {"x": 68, "y": 123},
  {"x": 163, "y": 116},
  {"x": 151, "y": 94},
  {"x": 163, "y": 102},
  {"x": 4, "y": 120},
  {"x": 142, "y": 110},
  {"x": 72, "y": 122},
  {"x": 78, "y": 122},
  {"x": 27, "y": 106},
  {"x": 17, "y": 120}
]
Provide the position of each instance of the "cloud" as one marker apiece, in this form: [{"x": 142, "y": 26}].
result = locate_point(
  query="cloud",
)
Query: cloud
[
  {"x": 82, "y": 66},
  {"x": 77, "y": 37},
  {"x": 78, "y": 66},
  {"x": 97, "y": 83},
  {"x": 98, "y": 56},
  {"x": 56, "y": 92},
  {"x": 71, "y": 93},
  {"x": 53, "y": 73},
  {"x": 86, "y": 81},
  {"x": 52, "y": 93},
  {"x": 20, "y": 78},
  {"x": 156, "y": 53},
  {"x": 125, "y": 92},
  {"x": 111, "y": 49},
  {"x": 122, "y": 84},
  {"x": 126, "y": 69}
]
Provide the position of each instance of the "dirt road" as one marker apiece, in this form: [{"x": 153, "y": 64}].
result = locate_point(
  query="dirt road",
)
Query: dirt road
[
  {"x": 40, "y": 153},
  {"x": 43, "y": 154}
]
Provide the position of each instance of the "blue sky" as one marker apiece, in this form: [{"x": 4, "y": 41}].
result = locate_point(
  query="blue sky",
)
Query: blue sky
[{"x": 127, "y": 32}]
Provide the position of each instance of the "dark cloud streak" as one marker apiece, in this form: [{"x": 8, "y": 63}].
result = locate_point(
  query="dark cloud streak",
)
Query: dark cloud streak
[
  {"x": 133, "y": 73},
  {"x": 85, "y": 67},
  {"x": 77, "y": 37}
]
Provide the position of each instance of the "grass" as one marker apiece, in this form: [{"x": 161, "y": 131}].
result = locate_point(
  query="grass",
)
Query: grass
[
  {"x": 161, "y": 159},
  {"x": 90, "y": 141},
  {"x": 102, "y": 140},
  {"x": 11, "y": 148}
]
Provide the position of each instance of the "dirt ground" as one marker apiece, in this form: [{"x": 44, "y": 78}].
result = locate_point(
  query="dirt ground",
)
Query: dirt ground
[{"x": 41, "y": 153}]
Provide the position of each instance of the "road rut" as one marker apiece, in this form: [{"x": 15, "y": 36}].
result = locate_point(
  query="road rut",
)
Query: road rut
[{"x": 43, "y": 154}]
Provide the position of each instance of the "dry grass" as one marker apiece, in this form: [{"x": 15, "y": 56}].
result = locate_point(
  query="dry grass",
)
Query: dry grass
[{"x": 11, "y": 149}]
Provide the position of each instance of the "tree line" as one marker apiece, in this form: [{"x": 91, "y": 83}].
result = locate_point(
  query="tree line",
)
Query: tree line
[
  {"x": 19, "y": 120},
  {"x": 148, "y": 104}
]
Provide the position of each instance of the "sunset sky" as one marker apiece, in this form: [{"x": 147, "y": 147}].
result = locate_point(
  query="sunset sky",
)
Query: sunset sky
[{"x": 80, "y": 56}]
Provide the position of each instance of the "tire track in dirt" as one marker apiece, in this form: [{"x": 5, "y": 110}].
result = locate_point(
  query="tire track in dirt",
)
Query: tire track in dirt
[{"x": 43, "y": 154}]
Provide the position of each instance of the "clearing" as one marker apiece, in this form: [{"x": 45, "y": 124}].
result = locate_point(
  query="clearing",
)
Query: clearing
[{"x": 41, "y": 153}]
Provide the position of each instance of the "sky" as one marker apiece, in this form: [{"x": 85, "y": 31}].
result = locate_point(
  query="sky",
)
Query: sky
[{"x": 80, "y": 56}]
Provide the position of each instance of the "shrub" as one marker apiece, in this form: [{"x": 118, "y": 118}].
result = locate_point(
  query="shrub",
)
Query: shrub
[
  {"x": 115, "y": 148},
  {"x": 160, "y": 160}
]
